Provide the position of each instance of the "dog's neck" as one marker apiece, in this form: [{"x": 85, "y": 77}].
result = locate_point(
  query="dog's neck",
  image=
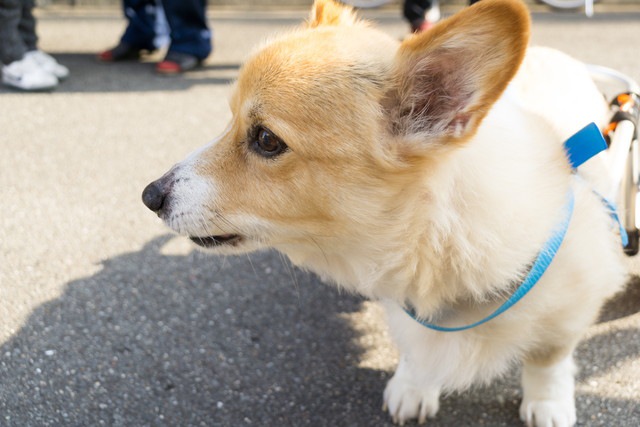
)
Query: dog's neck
[{"x": 458, "y": 232}]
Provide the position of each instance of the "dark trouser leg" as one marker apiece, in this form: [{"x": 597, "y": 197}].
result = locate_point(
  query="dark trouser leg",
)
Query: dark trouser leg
[
  {"x": 414, "y": 10},
  {"x": 27, "y": 26},
  {"x": 12, "y": 48},
  {"x": 141, "y": 16},
  {"x": 189, "y": 29}
]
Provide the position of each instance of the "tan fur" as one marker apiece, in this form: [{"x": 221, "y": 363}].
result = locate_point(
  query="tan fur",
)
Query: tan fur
[
  {"x": 327, "y": 12},
  {"x": 503, "y": 26},
  {"x": 428, "y": 173}
]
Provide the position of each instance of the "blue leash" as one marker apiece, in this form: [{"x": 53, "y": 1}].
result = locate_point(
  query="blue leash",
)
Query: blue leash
[
  {"x": 579, "y": 148},
  {"x": 582, "y": 146},
  {"x": 540, "y": 265}
]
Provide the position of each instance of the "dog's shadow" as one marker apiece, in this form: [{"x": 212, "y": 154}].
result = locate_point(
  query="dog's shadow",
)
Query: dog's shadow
[{"x": 189, "y": 340}]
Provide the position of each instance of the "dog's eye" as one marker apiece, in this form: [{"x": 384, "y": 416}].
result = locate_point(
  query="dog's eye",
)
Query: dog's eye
[{"x": 266, "y": 144}]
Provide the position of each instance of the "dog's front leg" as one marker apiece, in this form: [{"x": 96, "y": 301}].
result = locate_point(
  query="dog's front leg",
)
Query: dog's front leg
[
  {"x": 548, "y": 393},
  {"x": 414, "y": 389},
  {"x": 407, "y": 396}
]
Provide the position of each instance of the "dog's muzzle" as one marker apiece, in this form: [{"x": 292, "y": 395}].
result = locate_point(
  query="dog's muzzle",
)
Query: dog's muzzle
[{"x": 163, "y": 197}]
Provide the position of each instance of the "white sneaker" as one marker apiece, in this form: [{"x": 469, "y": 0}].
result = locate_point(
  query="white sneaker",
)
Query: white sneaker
[
  {"x": 49, "y": 64},
  {"x": 26, "y": 74},
  {"x": 433, "y": 14}
]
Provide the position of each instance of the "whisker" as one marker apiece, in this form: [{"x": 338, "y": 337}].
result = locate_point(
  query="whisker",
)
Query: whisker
[
  {"x": 223, "y": 220},
  {"x": 228, "y": 223},
  {"x": 287, "y": 265},
  {"x": 252, "y": 266},
  {"x": 317, "y": 245}
]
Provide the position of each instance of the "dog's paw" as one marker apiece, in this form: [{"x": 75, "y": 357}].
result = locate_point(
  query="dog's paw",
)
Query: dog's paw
[
  {"x": 548, "y": 413},
  {"x": 405, "y": 401}
]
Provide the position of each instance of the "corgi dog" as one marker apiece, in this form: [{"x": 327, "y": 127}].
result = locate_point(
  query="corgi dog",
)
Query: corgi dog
[{"x": 425, "y": 174}]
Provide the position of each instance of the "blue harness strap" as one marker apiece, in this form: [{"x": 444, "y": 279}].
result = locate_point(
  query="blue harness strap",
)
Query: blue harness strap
[
  {"x": 613, "y": 212},
  {"x": 542, "y": 262},
  {"x": 583, "y": 145}
]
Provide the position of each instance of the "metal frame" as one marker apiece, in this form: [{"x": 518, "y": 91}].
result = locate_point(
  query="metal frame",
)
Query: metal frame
[{"x": 624, "y": 157}]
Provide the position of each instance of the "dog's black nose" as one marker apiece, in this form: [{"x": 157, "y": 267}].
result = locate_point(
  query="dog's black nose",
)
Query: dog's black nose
[{"x": 153, "y": 196}]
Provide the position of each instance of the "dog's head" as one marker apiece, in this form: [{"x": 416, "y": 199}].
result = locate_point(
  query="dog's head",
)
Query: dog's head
[{"x": 334, "y": 124}]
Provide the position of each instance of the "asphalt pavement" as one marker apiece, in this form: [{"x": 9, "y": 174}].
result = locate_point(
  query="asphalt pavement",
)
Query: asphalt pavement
[{"x": 108, "y": 319}]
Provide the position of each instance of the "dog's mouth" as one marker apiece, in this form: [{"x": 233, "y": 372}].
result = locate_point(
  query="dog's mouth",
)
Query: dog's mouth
[{"x": 217, "y": 241}]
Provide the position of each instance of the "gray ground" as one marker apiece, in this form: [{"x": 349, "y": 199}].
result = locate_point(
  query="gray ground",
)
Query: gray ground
[{"x": 107, "y": 319}]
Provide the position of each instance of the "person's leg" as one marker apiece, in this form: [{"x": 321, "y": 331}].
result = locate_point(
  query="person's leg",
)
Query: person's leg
[
  {"x": 140, "y": 30},
  {"x": 139, "y": 34},
  {"x": 19, "y": 70},
  {"x": 190, "y": 32},
  {"x": 27, "y": 25},
  {"x": 27, "y": 30},
  {"x": 12, "y": 47},
  {"x": 414, "y": 11}
]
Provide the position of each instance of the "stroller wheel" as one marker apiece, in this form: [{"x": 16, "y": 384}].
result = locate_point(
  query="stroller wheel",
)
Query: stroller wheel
[{"x": 632, "y": 247}]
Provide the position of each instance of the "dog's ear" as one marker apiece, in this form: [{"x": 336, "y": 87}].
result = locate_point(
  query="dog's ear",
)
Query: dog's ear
[
  {"x": 328, "y": 12},
  {"x": 447, "y": 78}
]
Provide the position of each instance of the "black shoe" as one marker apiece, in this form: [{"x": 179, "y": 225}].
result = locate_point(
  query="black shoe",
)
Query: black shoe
[
  {"x": 176, "y": 63},
  {"x": 122, "y": 52}
]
